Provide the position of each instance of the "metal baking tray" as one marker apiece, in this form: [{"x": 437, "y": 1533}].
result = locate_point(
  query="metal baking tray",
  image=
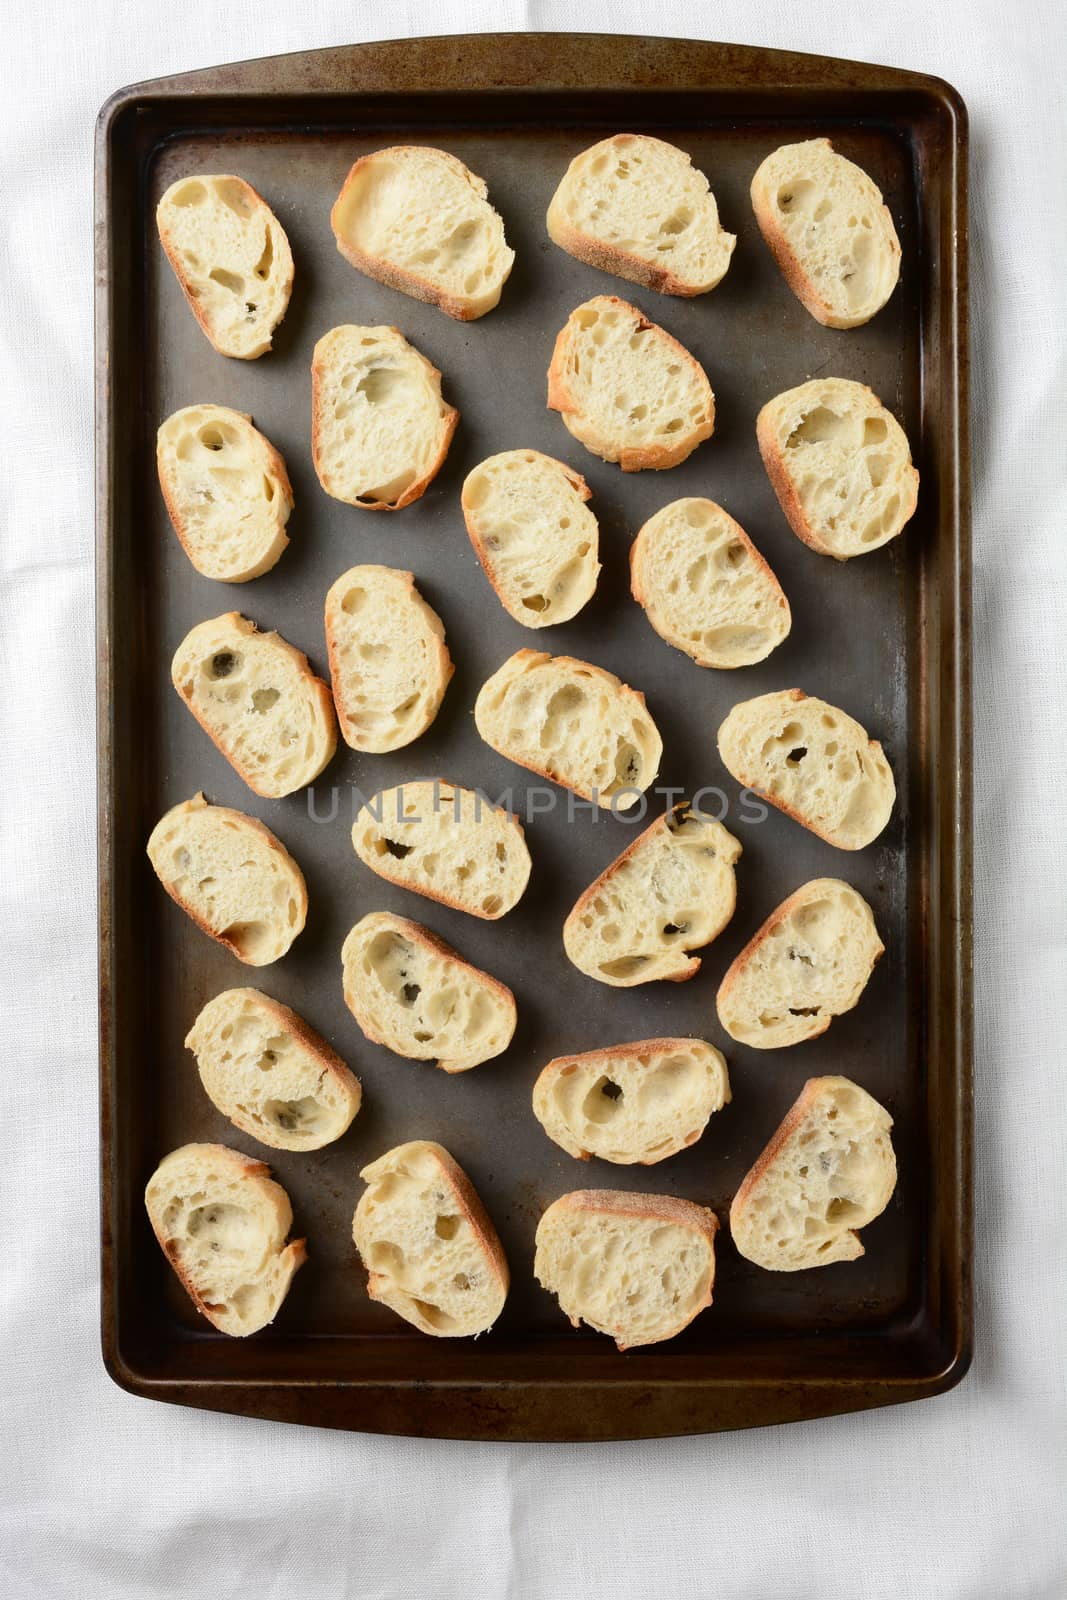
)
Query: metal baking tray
[{"x": 886, "y": 636}]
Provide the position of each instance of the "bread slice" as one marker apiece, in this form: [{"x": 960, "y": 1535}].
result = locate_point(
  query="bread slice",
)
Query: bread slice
[
  {"x": 380, "y": 429},
  {"x": 231, "y": 257},
  {"x": 671, "y": 891},
  {"x": 810, "y": 961},
  {"x": 412, "y": 992},
  {"x": 572, "y": 722},
  {"x": 840, "y": 465},
  {"x": 813, "y": 762},
  {"x": 232, "y": 876},
  {"x": 828, "y": 1171},
  {"x": 389, "y": 662},
  {"x": 446, "y": 843},
  {"x": 638, "y": 1267},
  {"x": 705, "y": 587},
  {"x": 272, "y": 1075},
  {"x": 418, "y": 220},
  {"x": 431, "y": 1253},
  {"x": 632, "y": 1103},
  {"x": 258, "y": 701},
  {"x": 534, "y": 535},
  {"x": 627, "y": 390},
  {"x": 829, "y": 231},
  {"x": 222, "y": 1223},
  {"x": 637, "y": 207},
  {"x": 227, "y": 492}
]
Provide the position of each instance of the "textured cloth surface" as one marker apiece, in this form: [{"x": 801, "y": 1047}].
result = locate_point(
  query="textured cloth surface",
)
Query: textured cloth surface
[{"x": 105, "y": 1495}]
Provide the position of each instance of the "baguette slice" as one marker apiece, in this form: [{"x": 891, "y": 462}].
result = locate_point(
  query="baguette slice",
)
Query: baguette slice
[
  {"x": 813, "y": 762},
  {"x": 572, "y": 722},
  {"x": 227, "y": 492},
  {"x": 638, "y": 1267},
  {"x": 272, "y": 1075},
  {"x": 840, "y": 465},
  {"x": 637, "y": 207},
  {"x": 258, "y": 701},
  {"x": 810, "y": 961},
  {"x": 446, "y": 843},
  {"x": 627, "y": 390},
  {"x": 419, "y": 221},
  {"x": 380, "y": 429},
  {"x": 431, "y": 1253},
  {"x": 412, "y": 992},
  {"x": 232, "y": 877},
  {"x": 705, "y": 587},
  {"x": 828, "y": 1171},
  {"x": 829, "y": 231},
  {"x": 671, "y": 891},
  {"x": 533, "y": 534},
  {"x": 389, "y": 662},
  {"x": 632, "y": 1103},
  {"x": 222, "y": 1223},
  {"x": 231, "y": 257}
]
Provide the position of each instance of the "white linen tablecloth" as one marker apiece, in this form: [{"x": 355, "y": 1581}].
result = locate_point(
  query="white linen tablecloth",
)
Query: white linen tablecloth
[{"x": 105, "y": 1495}]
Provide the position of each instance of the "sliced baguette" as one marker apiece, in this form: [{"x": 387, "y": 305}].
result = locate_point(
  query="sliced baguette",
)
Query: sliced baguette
[
  {"x": 231, "y": 257},
  {"x": 829, "y": 231},
  {"x": 813, "y": 762},
  {"x": 572, "y": 722},
  {"x": 671, "y": 891},
  {"x": 272, "y": 1075},
  {"x": 418, "y": 220},
  {"x": 705, "y": 588},
  {"x": 828, "y": 1171},
  {"x": 389, "y": 663},
  {"x": 810, "y": 961},
  {"x": 626, "y": 389},
  {"x": 840, "y": 465},
  {"x": 430, "y": 1251},
  {"x": 446, "y": 843},
  {"x": 380, "y": 429},
  {"x": 533, "y": 534},
  {"x": 638, "y": 1267},
  {"x": 222, "y": 1223},
  {"x": 259, "y": 702},
  {"x": 232, "y": 877},
  {"x": 637, "y": 207}
]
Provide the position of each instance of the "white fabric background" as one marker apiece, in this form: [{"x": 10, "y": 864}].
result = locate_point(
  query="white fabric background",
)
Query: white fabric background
[{"x": 105, "y": 1495}]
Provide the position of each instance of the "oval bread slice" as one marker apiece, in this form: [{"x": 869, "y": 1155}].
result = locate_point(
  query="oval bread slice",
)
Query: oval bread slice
[
  {"x": 572, "y": 722},
  {"x": 418, "y": 220},
  {"x": 533, "y": 534},
  {"x": 272, "y": 1075},
  {"x": 232, "y": 877},
  {"x": 626, "y": 389},
  {"x": 227, "y": 492},
  {"x": 705, "y": 587},
  {"x": 828, "y": 1171},
  {"x": 829, "y": 231},
  {"x": 431, "y": 1253},
  {"x": 446, "y": 843},
  {"x": 637, "y": 207},
  {"x": 258, "y": 701},
  {"x": 638, "y": 1267},
  {"x": 380, "y": 429},
  {"x": 231, "y": 257},
  {"x": 840, "y": 465},
  {"x": 389, "y": 663},
  {"x": 222, "y": 1223},
  {"x": 632, "y": 1103},
  {"x": 813, "y": 762},
  {"x": 810, "y": 961},
  {"x": 669, "y": 892}
]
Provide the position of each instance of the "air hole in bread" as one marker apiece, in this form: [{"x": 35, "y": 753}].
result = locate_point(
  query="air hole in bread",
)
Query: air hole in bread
[
  {"x": 446, "y": 1227},
  {"x": 223, "y": 664},
  {"x": 535, "y": 602},
  {"x": 190, "y": 194},
  {"x": 391, "y": 847},
  {"x": 433, "y": 1314},
  {"x": 794, "y": 196},
  {"x": 227, "y": 280},
  {"x": 796, "y": 756},
  {"x": 381, "y": 384},
  {"x": 804, "y": 1011},
  {"x": 624, "y": 966},
  {"x": 263, "y": 699},
  {"x": 263, "y": 265},
  {"x": 819, "y": 426},
  {"x": 492, "y": 904},
  {"x": 235, "y": 196}
]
